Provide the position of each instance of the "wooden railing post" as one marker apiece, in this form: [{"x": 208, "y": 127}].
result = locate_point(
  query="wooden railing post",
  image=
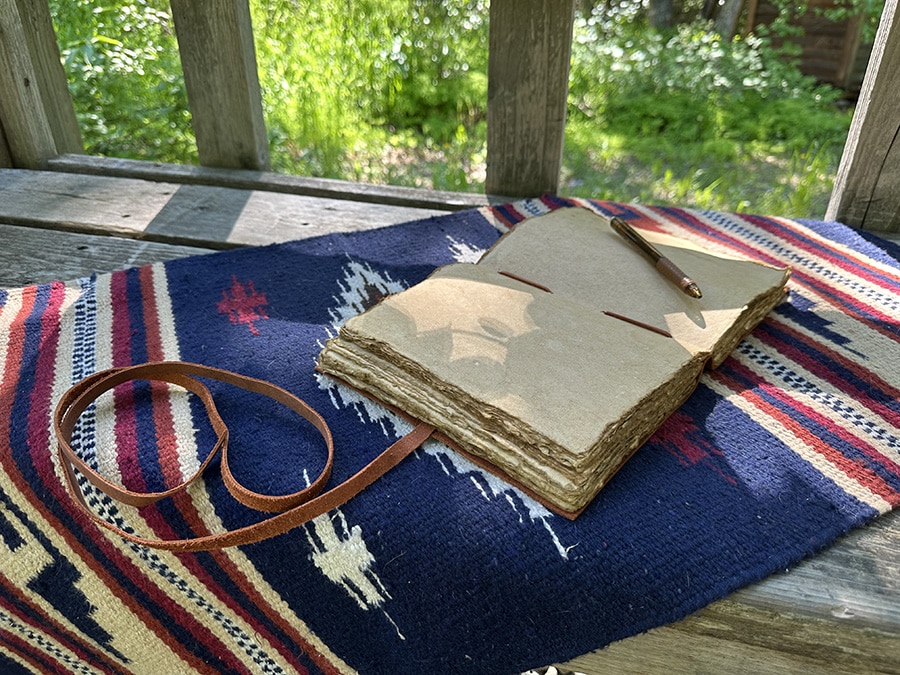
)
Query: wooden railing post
[
  {"x": 5, "y": 156},
  {"x": 36, "y": 110},
  {"x": 215, "y": 39},
  {"x": 867, "y": 186},
  {"x": 528, "y": 76}
]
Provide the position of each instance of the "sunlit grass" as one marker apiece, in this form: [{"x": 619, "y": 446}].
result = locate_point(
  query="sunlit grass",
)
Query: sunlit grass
[{"x": 721, "y": 173}]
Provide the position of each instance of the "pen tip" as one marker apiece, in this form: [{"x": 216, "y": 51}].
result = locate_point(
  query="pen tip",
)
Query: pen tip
[{"x": 693, "y": 290}]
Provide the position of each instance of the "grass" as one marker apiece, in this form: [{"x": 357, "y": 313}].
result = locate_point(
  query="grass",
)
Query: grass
[
  {"x": 734, "y": 177},
  {"x": 752, "y": 177}
]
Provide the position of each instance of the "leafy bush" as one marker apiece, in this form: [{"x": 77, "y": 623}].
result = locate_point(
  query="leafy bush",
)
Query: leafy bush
[
  {"x": 320, "y": 75},
  {"x": 790, "y": 124},
  {"x": 711, "y": 120},
  {"x": 442, "y": 59},
  {"x": 651, "y": 81},
  {"x": 125, "y": 77},
  {"x": 338, "y": 78}
]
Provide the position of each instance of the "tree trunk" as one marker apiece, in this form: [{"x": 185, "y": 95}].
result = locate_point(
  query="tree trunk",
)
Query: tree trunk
[
  {"x": 727, "y": 20},
  {"x": 660, "y": 13}
]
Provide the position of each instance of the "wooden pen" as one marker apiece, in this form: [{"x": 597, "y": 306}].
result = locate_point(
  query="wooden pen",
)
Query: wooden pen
[{"x": 665, "y": 266}]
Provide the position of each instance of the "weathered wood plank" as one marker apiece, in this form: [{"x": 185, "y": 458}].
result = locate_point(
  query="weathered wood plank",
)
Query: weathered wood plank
[
  {"x": 867, "y": 186},
  {"x": 25, "y": 124},
  {"x": 199, "y": 215},
  {"x": 35, "y": 256},
  {"x": 854, "y": 584},
  {"x": 215, "y": 41},
  {"x": 5, "y": 157},
  {"x": 273, "y": 182},
  {"x": 721, "y": 642},
  {"x": 438, "y": 200},
  {"x": 528, "y": 73},
  {"x": 836, "y": 612},
  {"x": 51, "y": 78}
]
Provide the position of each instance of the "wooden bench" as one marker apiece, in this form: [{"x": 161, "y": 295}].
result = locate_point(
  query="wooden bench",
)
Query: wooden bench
[
  {"x": 837, "y": 612},
  {"x": 64, "y": 215}
]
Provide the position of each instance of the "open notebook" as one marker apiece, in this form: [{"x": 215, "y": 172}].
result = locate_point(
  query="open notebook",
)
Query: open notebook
[{"x": 533, "y": 361}]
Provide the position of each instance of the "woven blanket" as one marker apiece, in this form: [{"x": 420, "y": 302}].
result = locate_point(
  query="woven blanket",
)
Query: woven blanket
[{"x": 438, "y": 566}]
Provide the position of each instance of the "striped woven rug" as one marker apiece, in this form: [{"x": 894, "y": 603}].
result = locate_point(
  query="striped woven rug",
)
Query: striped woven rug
[{"x": 438, "y": 567}]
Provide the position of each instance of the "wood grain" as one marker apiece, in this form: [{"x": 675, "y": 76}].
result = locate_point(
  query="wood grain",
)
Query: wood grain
[
  {"x": 196, "y": 215},
  {"x": 529, "y": 49},
  {"x": 215, "y": 41},
  {"x": 867, "y": 186},
  {"x": 49, "y": 74},
  {"x": 835, "y": 612},
  {"x": 36, "y": 256},
  {"x": 25, "y": 124},
  {"x": 5, "y": 157}
]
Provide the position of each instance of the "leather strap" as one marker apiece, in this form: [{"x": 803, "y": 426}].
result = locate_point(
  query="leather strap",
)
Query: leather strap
[{"x": 292, "y": 509}]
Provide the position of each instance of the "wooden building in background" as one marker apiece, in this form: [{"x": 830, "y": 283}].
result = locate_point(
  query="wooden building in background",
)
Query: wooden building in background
[{"x": 832, "y": 51}]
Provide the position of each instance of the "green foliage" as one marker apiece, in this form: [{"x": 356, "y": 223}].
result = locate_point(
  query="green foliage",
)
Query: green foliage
[
  {"x": 125, "y": 77},
  {"x": 338, "y": 77},
  {"x": 320, "y": 73},
  {"x": 394, "y": 91},
  {"x": 712, "y": 121},
  {"x": 442, "y": 60},
  {"x": 793, "y": 124},
  {"x": 871, "y": 11},
  {"x": 789, "y": 11}
]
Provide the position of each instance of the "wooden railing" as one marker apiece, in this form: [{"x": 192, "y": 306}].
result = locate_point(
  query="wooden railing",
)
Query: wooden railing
[
  {"x": 530, "y": 47},
  {"x": 37, "y": 118},
  {"x": 866, "y": 190}
]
